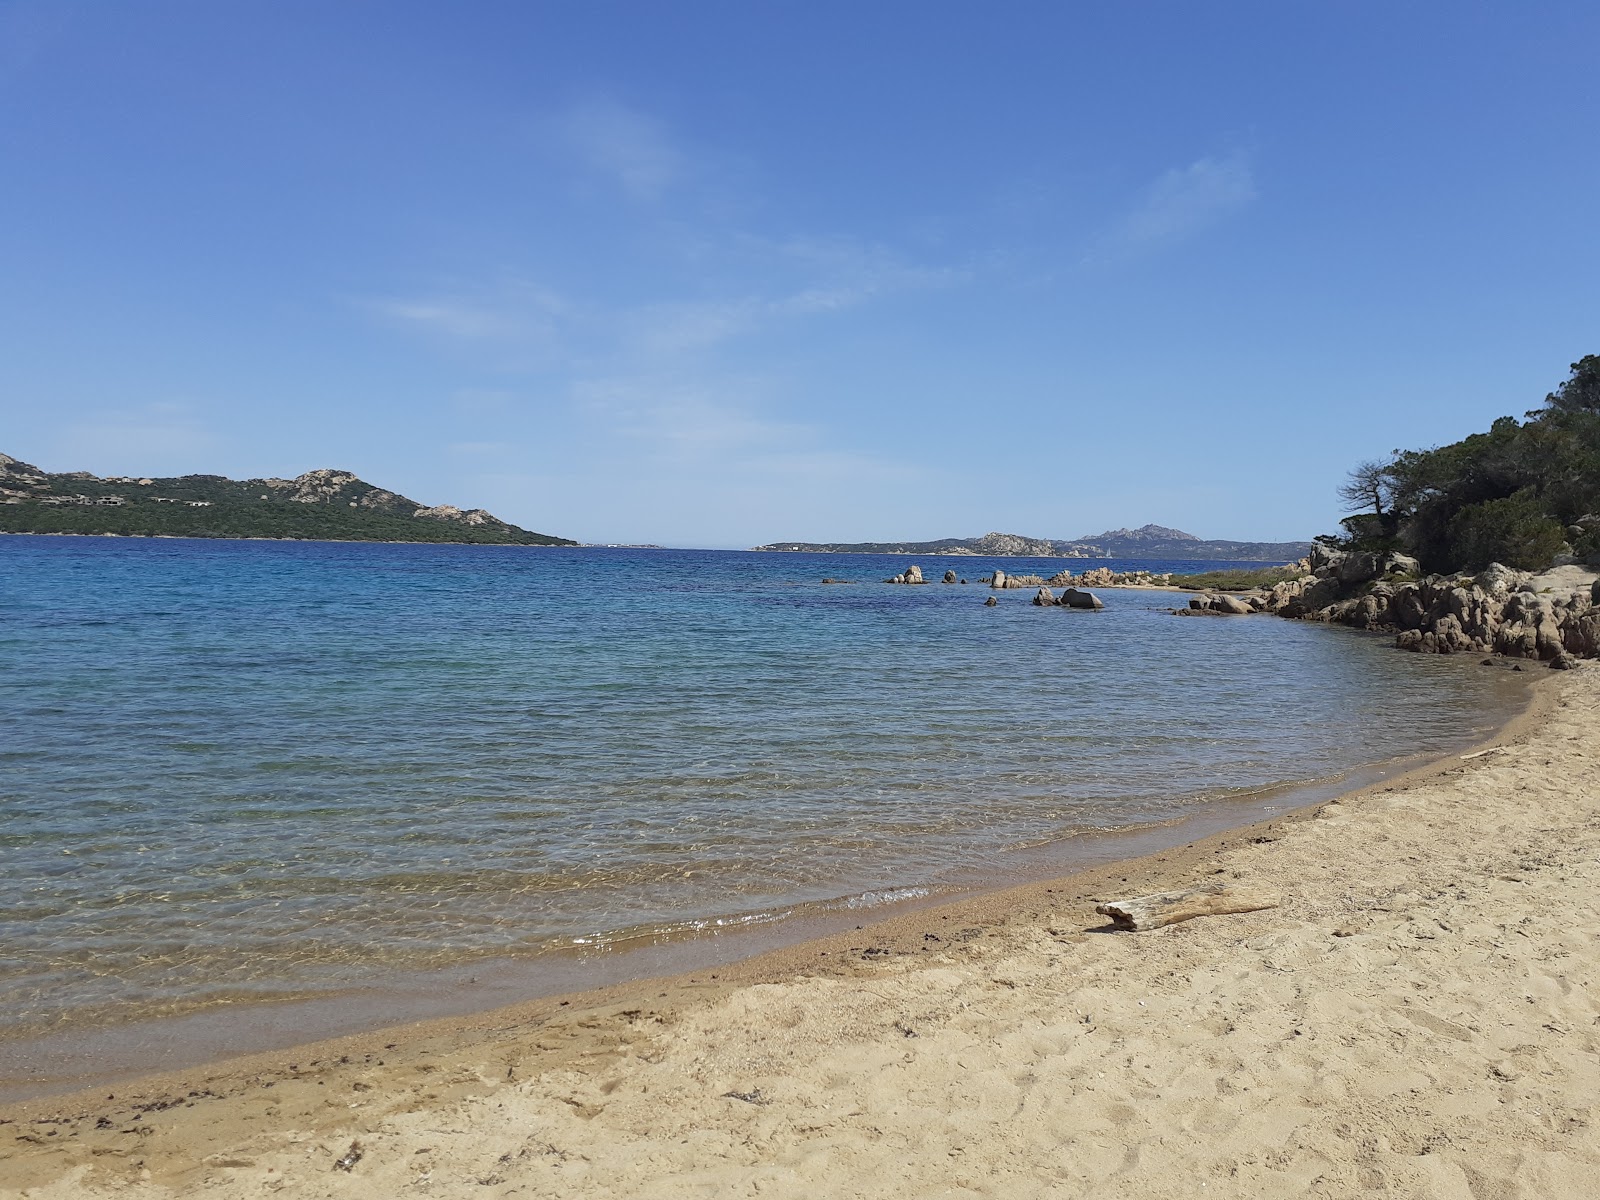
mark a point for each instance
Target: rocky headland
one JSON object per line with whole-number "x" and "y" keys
{"x": 320, "y": 505}
{"x": 1552, "y": 616}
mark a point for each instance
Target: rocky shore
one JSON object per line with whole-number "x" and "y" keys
{"x": 1553, "y": 616}
{"x": 1094, "y": 577}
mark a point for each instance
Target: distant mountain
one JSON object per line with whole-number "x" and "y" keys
{"x": 1157, "y": 541}
{"x": 1145, "y": 533}
{"x": 1148, "y": 541}
{"x": 321, "y": 505}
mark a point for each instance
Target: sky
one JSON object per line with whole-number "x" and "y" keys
{"x": 720, "y": 274}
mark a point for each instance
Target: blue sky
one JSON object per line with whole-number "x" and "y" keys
{"x": 724, "y": 273}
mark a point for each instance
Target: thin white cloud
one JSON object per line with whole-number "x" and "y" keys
{"x": 848, "y": 270}
{"x": 514, "y": 311}
{"x": 723, "y": 437}
{"x": 681, "y": 326}
{"x": 794, "y": 279}
{"x": 835, "y": 466}
{"x": 1185, "y": 200}
{"x": 824, "y": 275}
{"x": 631, "y": 147}
{"x": 684, "y": 419}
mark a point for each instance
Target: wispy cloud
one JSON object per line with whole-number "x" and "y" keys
{"x": 1183, "y": 201}
{"x": 789, "y": 280}
{"x": 513, "y": 310}
{"x": 677, "y": 327}
{"x": 727, "y": 429}
{"x": 630, "y": 147}
{"x": 687, "y": 419}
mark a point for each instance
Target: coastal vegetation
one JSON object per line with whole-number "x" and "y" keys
{"x": 321, "y": 505}
{"x": 1523, "y": 493}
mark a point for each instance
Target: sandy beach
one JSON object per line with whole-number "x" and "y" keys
{"x": 1418, "y": 1018}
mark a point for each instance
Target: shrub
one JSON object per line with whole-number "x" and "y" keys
{"x": 1514, "y": 530}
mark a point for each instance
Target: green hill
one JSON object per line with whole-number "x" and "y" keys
{"x": 321, "y": 505}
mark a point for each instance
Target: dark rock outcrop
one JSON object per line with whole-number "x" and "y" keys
{"x": 1555, "y": 618}
{"x": 1222, "y": 605}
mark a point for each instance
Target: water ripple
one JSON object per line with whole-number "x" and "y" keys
{"x": 249, "y": 769}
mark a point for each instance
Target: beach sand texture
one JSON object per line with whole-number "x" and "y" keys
{"x": 1418, "y": 1019}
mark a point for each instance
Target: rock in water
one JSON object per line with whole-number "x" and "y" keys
{"x": 1231, "y": 605}
{"x": 949, "y": 576}
{"x": 1078, "y": 598}
{"x": 1043, "y": 598}
{"x": 990, "y": 602}
{"x": 998, "y": 580}
{"x": 914, "y": 575}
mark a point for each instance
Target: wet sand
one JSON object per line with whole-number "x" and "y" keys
{"x": 1418, "y": 1018}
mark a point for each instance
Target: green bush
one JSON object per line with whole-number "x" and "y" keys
{"x": 1514, "y": 530}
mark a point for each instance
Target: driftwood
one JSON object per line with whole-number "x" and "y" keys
{"x": 1168, "y": 908}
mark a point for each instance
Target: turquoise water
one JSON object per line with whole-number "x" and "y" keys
{"x": 261, "y": 769}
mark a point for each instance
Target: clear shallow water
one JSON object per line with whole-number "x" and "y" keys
{"x": 258, "y": 769}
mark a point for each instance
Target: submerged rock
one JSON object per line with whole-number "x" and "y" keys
{"x": 990, "y": 602}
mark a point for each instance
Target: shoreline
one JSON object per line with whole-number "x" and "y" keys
{"x": 191, "y": 537}
{"x": 91, "y": 1055}
{"x": 550, "y": 1046}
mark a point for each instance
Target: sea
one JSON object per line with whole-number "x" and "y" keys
{"x": 244, "y": 774}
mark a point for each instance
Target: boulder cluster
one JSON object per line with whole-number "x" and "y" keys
{"x": 913, "y": 574}
{"x": 1094, "y": 577}
{"x": 1553, "y": 617}
{"x": 1001, "y": 580}
{"x": 1106, "y": 577}
{"x": 1071, "y": 598}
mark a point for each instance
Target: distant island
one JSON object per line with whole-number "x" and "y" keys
{"x": 321, "y": 505}
{"x": 1148, "y": 541}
